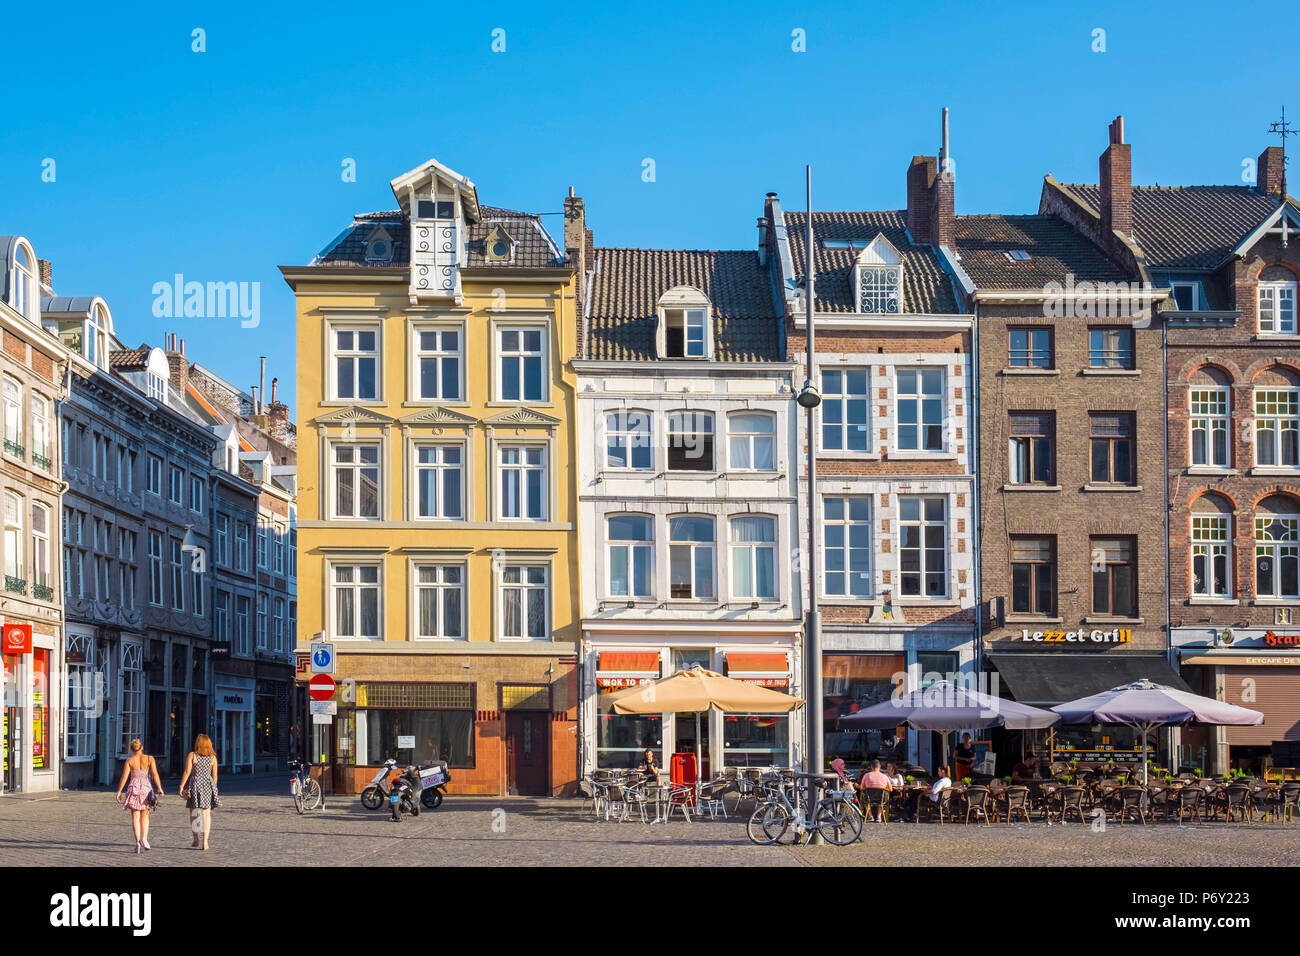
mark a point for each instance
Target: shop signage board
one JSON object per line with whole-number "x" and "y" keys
{"x": 405, "y": 742}
{"x": 321, "y": 687}
{"x": 322, "y": 719}
{"x": 322, "y": 657}
{"x": 323, "y": 707}
{"x": 1082, "y": 636}
{"x": 17, "y": 638}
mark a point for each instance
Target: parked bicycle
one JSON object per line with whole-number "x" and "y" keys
{"x": 306, "y": 792}
{"x": 836, "y": 816}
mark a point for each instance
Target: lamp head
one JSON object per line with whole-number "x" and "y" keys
{"x": 809, "y": 396}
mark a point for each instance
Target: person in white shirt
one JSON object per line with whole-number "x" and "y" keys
{"x": 941, "y": 784}
{"x": 895, "y": 778}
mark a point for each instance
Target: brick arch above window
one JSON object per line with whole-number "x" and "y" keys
{"x": 1212, "y": 501}
{"x": 1194, "y": 370}
{"x": 1273, "y": 373}
{"x": 1287, "y": 499}
{"x": 1277, "y": 271}
{"x": 1213, "y": 375}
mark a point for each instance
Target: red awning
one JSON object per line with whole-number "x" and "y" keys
{"x": 756, "y": 664}
{"x": 629, "y": 662}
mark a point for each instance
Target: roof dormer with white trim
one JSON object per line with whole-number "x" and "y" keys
{"x": 878, "y": 278}
{"x": 440, "y": 204}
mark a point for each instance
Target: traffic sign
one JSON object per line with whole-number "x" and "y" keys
{"x": 321, "y": 687}
{"x": 322, "y": 657}
{"x": 322, "y": 719}
{"x": 323, "y": 707}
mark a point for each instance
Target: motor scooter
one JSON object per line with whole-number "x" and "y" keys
{"x": 405, "y": 795}
{"x": 376, "y": 795}
{"x": 434, "y": 778}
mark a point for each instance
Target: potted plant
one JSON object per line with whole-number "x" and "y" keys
{"x": 909, "y": 779}
{"x": 1006, "y": 780}
{"x": 966, "y": 780}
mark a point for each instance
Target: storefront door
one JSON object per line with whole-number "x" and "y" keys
{"x": 12, "y": 726}
{"x": 685, "y": 740}
{"x": 526, "y": 748}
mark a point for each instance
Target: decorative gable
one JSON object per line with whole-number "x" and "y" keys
{"x": 353, "y": 415}
{"x": 520, "y": 418}
{"x": 437, "y": 417}
{"x": 379, "y": 245}
{"x": 878, "y": 278}
{"x": 499, "y": 246}
{"x": 440, "y": 203}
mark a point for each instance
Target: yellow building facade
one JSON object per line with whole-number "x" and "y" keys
{"x": 437, "y": 545}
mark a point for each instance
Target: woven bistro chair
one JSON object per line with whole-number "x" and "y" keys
{"x": 875, "y": 803}
{"x": 1072, "y": 801}
{"x": 1189, "y": 800}
{"x": 979, "y": 801}
{"x": 941, "y": 807}
{"x": 1129, "y": 802}
{"x": 1017, "y": 801}
{"x": 1290, "y": 796}
{"x": 1236, "y": 799}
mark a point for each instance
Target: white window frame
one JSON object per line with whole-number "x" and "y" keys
{"x": 356, "y": 586}
{"x": 1198, "y": 293}
{"x": 1280, "y": 297}
{"x": 178, "y": 574}
{"x": 747, "y": 442}
{"x": 522, "y": 468}
{"x": 1209, "y": 407}
{"x": 1211, "y": 539}
{"x": 922, "y": 522}
{"x": 623, "y": 431}
{"x": 504, "y": 589}
{"x": 419, "y": 354}
{"x": 153, "y": 474}
{"x": 13, "y": 416}
{"x": 1285, "y": 417}
{"x": 81, "y": 702}
{"x": 692, "y": 417}
{"x": 918, "y": 399}
{"x": 520, "y": 356}
{"x": 155, "y": 569}
{"x": 24, "y": 295}
{"x": 842, "y": 398}
{"x": 846, "y": 524}
{"x": 196, "y": 494}
{"x": 356, "y": 353}
{"x": 41, "y": 433}
{"x": 131, "y": 694}
{"x": 694, "y": 321}
{"x": 439, "y": 468}
{"x": 693, "y": 549}
{"x": 175, "y": 485}
{"x": 14, "y": 506}
{"x": 634, "y": 554}
{"x": 1277, "y": 549}
{"x": 748, "y": 590}
{"x": 439, "y": 586}
{"x": 881, "y": 287}
{"x": 356, "y": 467}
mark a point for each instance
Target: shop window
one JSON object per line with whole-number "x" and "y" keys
{"x": 622, "y": 739}
{"x": 851, "y": 682}
{"x": 439, "y": 716}
{"x": 41, "y": 757}
{"x": 755, "y": 740}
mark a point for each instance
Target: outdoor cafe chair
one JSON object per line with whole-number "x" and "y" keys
{"x": 1290, "y": 801}
{"x": 1189, "y": 800}
{"x": 1130, "y": 803}
{"x": 1017, "y": 801}
{"x": 634, "y": 799}
{"x": 711, "y": 799}
{"x": 875, "y": 802}
{"x": 979, "y": 802}
{"x": 615, "y": 801}
{"x": 1236, "y": 799}
{"x": 941, "y": 807}
{"x": 1072, "y": 801}
{"x": 589, "y": 792}
{"x": 681, "y": 798}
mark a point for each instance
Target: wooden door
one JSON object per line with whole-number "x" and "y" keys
{"x": 526, "y": 752}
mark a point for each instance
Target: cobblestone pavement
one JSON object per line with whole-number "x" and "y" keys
{"x": 259, "y": 828}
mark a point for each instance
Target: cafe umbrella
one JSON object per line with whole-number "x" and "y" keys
{"x": 945, "y": 706}
{"x": 1146, "y": 705}
{"x": 700, "y": 690}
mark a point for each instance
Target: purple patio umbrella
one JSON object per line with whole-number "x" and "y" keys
{"x": 1145, "y": 705}
{"x": 946, "y": 706}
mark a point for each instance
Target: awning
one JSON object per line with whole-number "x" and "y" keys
{"x": 616, "y": 669}
{"x": 1043, "y": 680}
{"x": 767, "y": 670}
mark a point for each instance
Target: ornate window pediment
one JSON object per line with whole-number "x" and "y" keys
{"x": 379, "y": 245}
{"x": 499, "y": 245}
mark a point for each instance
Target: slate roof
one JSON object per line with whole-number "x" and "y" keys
{"x": 627, "y": 284}
{"x": 534, "y": 247}
{"x": 927, "y": 288}
{"x": 1188, "y": 227}
{"x": 1055, "y": 249}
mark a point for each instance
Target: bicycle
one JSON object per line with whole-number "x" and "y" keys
{"x": 836, "y": 816}
{"x": 306, "y": 791}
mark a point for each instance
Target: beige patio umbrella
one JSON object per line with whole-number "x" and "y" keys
{"x": 700, "y": 690}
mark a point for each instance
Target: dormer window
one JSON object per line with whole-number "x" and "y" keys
{"x": 684, "y": 331}
{"x": 878, "y": 278}
{"x": 434, "y": 209}
{"x": 22, "y": 284}
{"x": 379, "y": 246}
{"x": 1188, "y": 296}
{"x": 499, "y": 246}
{"x": 157, "y": 387}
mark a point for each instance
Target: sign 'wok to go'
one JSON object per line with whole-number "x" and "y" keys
{"x": 1117, "y": 635}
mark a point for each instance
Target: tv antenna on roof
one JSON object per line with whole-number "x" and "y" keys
{"x": 1283, "y": 129}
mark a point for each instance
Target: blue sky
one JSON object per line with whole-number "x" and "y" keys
{"x": 225, "y": 164}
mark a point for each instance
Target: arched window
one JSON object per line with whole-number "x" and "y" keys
{"x": 690, "y": 441}
{"x": 690, "y": 564}
{"x": 753, "y": 557}
{"x": 631, "y": 555}
{"x": 1211, "y": 540}
{"x": 13, "y": 416}
{"x": 41, "y": 552}
{"x": 42, "y": 447}
{"x": 1277, "y": 418}
{"x": 13, "y": 543}
{"x": 22, "y": 285}
{"x": 628, "y": 442}
{"x": 751, "y": 440}
{"x": 1209, "y": 405}
{"x": 1277, "y": 548}
{"x": 98, "y": 330}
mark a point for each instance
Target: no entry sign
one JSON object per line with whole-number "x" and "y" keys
{"x": 321, "y": 687}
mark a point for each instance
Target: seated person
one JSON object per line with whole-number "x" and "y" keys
{"x": 647, "y": 766}
{"x": 895, "y": 778}
{"x": 873, "y": 779}
{"x": 943, "y": 782}
{"x": 1027, "y": 769}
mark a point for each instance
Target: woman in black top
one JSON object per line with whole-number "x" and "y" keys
{"x": 964, "y": 757}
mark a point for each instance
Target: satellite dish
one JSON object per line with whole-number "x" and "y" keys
{"x": 1227, "y": 637}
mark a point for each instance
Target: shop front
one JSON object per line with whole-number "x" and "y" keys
{"x": 33, "y": 686}
{"x": 234, "y": 705}
{"x": 1047, "y": 678}
{"x": 619, "y": 741}
{"x": 1257, "y": 668}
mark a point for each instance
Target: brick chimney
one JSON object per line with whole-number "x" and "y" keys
{"x": 920, "y": 188}
{"x": 1269, "y": 171}
{"x": 578, "y": 251}
{"x": 1116, "y": 184}
{"x": 47, "y": 273}
{"x": 176, "y": 361}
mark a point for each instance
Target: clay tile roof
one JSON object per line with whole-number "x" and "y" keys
{"x": 1055, "y": 249}
{"x": 1188, "y": 227}
{"x": 927, "y": 288}
{"x": 628, "y": 283}
{"x": 130, "y": 360}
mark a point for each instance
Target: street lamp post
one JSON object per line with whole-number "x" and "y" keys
{"x": 809, "y": 398}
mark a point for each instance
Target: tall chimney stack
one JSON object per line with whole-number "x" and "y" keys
{"x": 1270, "y": 173}
{"x": 578, "y": 253}
{"x": 1115, "y": 169}
{"x": 274, "y": 382}
{"x": 261, "y": 385}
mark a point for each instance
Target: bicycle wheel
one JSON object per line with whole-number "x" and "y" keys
{"x": 312, "y": 797}
{"x": 297, "y": 799}
{"x": 838, "y": 822}
{"x": 768, "y": 823}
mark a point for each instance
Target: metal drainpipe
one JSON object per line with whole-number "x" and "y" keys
{"x": 973, "y": 443}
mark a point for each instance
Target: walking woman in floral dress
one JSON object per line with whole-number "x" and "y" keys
{"x": 136, "y": 771}
{"x": 199, "y": 787}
